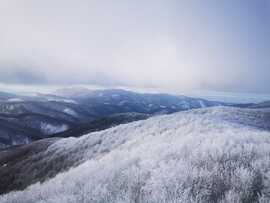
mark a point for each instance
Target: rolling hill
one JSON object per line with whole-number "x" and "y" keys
{"x": 26, "y": 118}
{"x": 218, "y": 154}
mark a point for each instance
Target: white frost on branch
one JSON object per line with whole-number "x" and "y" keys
{"x": 207, "y": 155}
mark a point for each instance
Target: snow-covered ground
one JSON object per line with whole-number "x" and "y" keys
{"x": 15, "y": 100}
{"x": 205, "y": 155}
{"x": 70, "y": 112}
{"x": 48, "y": 128}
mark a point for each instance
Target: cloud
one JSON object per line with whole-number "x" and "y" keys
{"x": 19, "y": 75}
{"x": 171, "y": 44}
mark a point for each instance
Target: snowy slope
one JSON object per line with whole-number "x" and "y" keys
{"x": 43, "y": 115}
{"x": 207, "y": 155}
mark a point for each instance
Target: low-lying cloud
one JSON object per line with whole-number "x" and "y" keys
{"x": 177, "y": 45}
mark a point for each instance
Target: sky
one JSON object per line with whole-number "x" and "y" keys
{"x": 179, "y": 45}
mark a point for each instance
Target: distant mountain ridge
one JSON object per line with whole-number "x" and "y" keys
{"x": 72, "y": 112}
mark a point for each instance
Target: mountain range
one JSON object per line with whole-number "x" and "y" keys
{"x": 72, "y": 112}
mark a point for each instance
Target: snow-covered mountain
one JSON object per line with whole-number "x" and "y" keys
{"x": 218, "y": 154}
{"x": 25, "y": 118}
{"x": 120, "y": 101}
{"x": 265, "y": 104}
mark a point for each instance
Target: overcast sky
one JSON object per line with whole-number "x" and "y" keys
{"x": 178, "y": 45}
